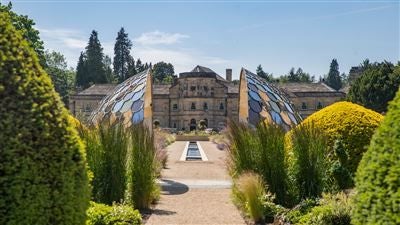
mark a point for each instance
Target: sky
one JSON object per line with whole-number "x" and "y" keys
{"x": 224, "y": 34}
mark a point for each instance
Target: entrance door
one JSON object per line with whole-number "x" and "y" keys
{"x": 192, "y": 124}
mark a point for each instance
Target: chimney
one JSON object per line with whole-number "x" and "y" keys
{"x": 229, "y": 75}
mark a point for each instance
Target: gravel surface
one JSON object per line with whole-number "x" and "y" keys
{"x": 195, "y": 192}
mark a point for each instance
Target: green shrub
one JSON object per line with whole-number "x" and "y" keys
{"x": 142, "y": 168}
{"x": 43, "y": 177}
{"x": 260, "y": 150}
{"x": 308, "y": 169}
{"x": 100, "y": 214}
{"x": 293, "y": 216}
{"x": 352, "y": 124}
{"x": 332, "y": 210}
{"x": 341, "y": 175}
{"x": 377, "y": 179}
{"x": 106, "y": 147}
{"x": 250, "y": 196}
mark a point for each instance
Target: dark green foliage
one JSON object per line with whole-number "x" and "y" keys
{"x": 376, "y": 86}
{"x": 63, "y": 78}
{"x": 342, "y": 176}
{"x": 139, "y": 66}
{"x": 99, "y": 214}
{"x": 122, "y": 56}
{"x": 377, "y": 179}
{"x": 131, "y": 67}
{"x": 43, "y": 178}
{"x": 81, "y": 71}
{"x": 261, "y": 151}
{"x": 29, "y": 33}
{"x": 309, "y": 146}
{"x": 142, "y": 167}
{"x": 107, "y": 67}
{"x": 298, "y": 76}
{"x": 334, "y": 79}
{"x": 162, "y": 72}
{"x": 293, "y": 215}
{"x": 106, "y": 147}
{"x": 260, "y": 72}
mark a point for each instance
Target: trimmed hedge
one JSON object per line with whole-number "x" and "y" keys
{"x": 100, "y": 214}
{"x": 43, "y": 177}
{"x": 350, "y": 123}
{"x": 377, "y": 178}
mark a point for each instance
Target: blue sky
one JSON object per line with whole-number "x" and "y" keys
{"x": 226, "y": 34}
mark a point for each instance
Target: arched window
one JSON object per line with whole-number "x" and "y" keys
{"x": 205, "y": 106}
{"x": 221, "y": 106}
{"x": 193, "y": 106}
{"x": 319, "y": 105}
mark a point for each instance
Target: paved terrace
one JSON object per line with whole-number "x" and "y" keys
{"x": 195, "y": 192}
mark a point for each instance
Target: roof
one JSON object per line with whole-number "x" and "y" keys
{"x": 161, "y": 89}
{"x": 98, "y": 89}
{"x": 305, "y": 87}
{"x": 202, "y": 69}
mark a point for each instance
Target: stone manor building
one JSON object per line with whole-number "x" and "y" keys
{"x": 203, "y": 96}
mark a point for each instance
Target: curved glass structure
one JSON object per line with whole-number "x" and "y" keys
{"x": 261, "y": 101}
{"x": 127, "y": 102}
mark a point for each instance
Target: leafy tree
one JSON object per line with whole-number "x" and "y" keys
{"x": 260, "y": 72}
{"x": 377, "y": 179}
{"x": 43, "y": 169}
{"x": 162, "y": 72}
{"x": 81, "y": 71}
{"x": 62, "y": 77}
{"x": 298, "y": 76}
{"x": 333, "y": 79}
{"x": 376, "y": 86}
{"x": 122, "y": 49}
{"x": 29, "y": 33}
{"x": 94, "y": 61}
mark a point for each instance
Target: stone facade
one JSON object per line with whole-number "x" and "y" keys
{"x": 308, "y": 98}
{"x": 203, "y": 95}
{"x": 199, "y": 95}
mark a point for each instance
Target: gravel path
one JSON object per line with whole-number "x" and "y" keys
{"x": 195, "y": 192}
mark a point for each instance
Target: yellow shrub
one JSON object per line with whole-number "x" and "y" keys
{"x": 351, "y": 123}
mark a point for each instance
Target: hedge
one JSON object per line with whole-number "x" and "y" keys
{"x": 377, "y": 178}
{"x": 43, "y": 178}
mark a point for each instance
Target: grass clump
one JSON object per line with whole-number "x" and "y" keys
{"x": 250, "y": 195}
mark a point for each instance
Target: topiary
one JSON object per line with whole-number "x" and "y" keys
{"x": 43, "y": 177}
{"x": 350, "y": 123}
{"x": 377, "y": 180}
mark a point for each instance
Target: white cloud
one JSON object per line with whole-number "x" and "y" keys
{"x": 64, "y": 37}
{"x": 158, "y": 37}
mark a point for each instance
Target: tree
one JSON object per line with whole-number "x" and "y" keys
{"x": 107, "y": 67}
{"x": 94, "y": 61}
{"x": 63, "y": 78}
{"x": 333, "y": 79}
{"x": 377, "y": 180}
{"x": 260, "y": 72}
{"x": 81, "y": 71}
{"x": 43, "y": 169}
{"x": 376, "y": 86}
{"x": 131, "y": 67}
{"x": 298, "y": 76}
{"x": 163, "y": 72}
{"x": 139, "y": 66}
{"x": 29, "y": 33}
{"x": 122, "y": 49}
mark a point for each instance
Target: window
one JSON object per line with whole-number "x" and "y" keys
{"x": 88, "y": 109}
{"x": 174, "y": 125}
{"x": 193, "y": 106}
{"x": 205, "y": 106}
{"x": 205, "y": 88}
{"x": 192, "y": 88}
{"x": 175, "y": 106}
{"x": 303, "y": 105}
{"x": 221, "y": 106}
{"x": 319, "y": 106}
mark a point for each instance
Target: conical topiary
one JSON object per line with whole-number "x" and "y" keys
{"x": 378, "y": 176}
{"x": 43, "y": 178}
